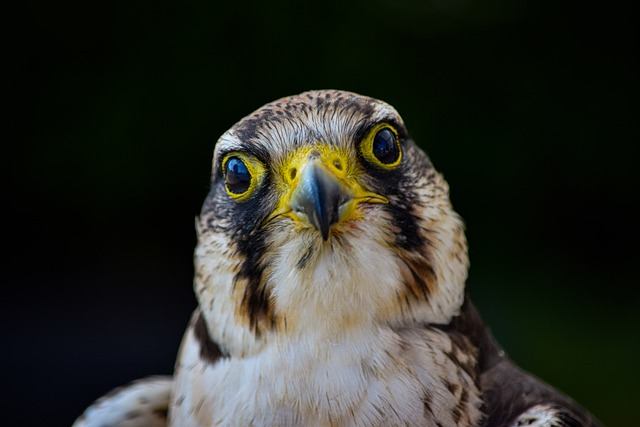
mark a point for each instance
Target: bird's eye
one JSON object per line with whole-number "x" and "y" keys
{"x": 385, "y": 147}
{"x": 238, "y": 177}
{"x": 381, "y": 147}
{"x": 241, "y": 173}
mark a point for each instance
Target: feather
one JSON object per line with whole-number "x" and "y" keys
{"x": 511, "y": 396}
{"x": 143, "y": 403}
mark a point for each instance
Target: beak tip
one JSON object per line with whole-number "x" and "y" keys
{"x": 322, "y": 224}
{"x": 319, "y": 196}
{"x": 325, "y": 234}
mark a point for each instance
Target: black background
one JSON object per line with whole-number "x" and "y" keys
{"x": 529, "y": 108}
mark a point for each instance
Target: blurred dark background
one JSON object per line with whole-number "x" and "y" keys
{"x": 529, "y": 108}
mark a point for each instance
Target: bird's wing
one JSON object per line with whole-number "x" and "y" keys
{"x": 514, "y": 397}
{"x": 144, "y": 402}
{"x": 511, "y": 396}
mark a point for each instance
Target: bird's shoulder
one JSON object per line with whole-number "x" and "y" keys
{"x": 512, "y": 396}
{"x": 142, "y": 403}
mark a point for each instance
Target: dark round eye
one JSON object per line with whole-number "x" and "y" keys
{"x": 385, "y": 147}
{"x": 237, "y": 176}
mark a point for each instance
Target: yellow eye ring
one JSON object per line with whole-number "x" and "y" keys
{"x": 381, "y": 147}
{"x": 242, "y": 174}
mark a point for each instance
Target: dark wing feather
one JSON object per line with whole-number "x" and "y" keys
{"x": 511, "y": 396}
{"x": 514, "y": 397}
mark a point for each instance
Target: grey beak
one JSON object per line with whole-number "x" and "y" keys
{"x": 319, "y": 196}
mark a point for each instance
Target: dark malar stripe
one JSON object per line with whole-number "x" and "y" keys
{"x": 256, "y": 300}
{"x": 209, "y": 350}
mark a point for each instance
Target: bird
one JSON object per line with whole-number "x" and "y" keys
{"x": 330, "y": 274}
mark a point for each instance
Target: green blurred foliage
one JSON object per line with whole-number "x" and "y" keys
{"x": 529, "y": 108}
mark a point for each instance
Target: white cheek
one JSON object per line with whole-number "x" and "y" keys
{"x": 215, "y": 268}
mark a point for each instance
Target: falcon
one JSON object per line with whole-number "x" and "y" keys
{"x": 330, "y": 277}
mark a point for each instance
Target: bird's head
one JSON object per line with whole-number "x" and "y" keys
{"x": 324, "y": 217}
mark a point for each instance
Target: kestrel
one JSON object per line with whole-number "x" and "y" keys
{"x": 330, "y": 278}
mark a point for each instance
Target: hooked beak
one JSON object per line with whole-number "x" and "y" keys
{"x": 322, "y": 195}
{"x": 319, "y": 196}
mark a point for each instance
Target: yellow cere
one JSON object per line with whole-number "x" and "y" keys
{"x": 255, "y": 168}
{"x": 366, "y": 147}
{"x": 336, "y": 161}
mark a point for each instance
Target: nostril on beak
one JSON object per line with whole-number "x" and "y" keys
{"x": 319, "y": 196}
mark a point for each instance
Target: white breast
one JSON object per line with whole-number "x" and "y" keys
{"x": 380, "y": 377}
